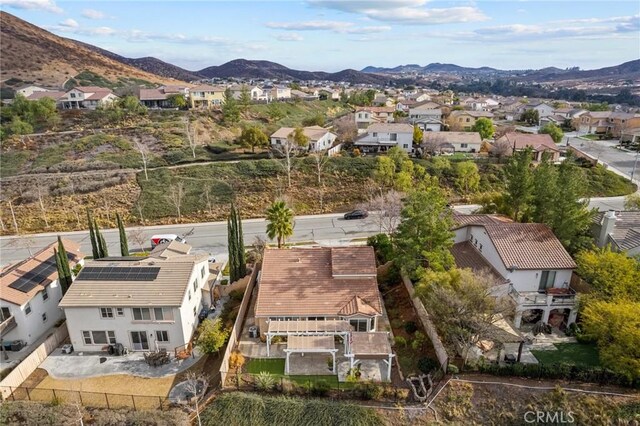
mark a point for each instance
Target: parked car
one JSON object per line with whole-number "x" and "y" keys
{"x": 356, "y": 214}
{"x": 164, "y": 238}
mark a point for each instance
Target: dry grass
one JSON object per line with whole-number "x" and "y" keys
{"x": 117, "y": 384}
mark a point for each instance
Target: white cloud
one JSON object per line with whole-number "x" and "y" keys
{"x": 70, "y": 23}
{"x": 45, "y": 5}
{"x": 341, "y": 27}
{"x": 93, "y": 14}
{"x": 409, "y": 12}
{"x": 290, "y": 37}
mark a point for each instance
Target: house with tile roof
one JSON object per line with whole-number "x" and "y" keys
{"x": 30, "y": 292}
{"x": 86, "y": 97}
{"x": 160, "y": 97}
{"x": 205, "y": 96}
{"x": 320, "y": 139}
{"x": 528, "y": 262}
{"x": 365, "y": 116}
{"x": 380, "y": 137}
{"x": 465, "y": 120}
{"x": 452, "y": 142}
{"x": 539, "y": 143}
{"x": 609, "y": 123}
{"x": 144, "y": 303}
{"x": 312, "y": 296}
{"x": 620, "y": 230}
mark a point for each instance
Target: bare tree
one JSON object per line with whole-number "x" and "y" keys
{"x": 431, "y": 144}
{"x": 196, "y": 385}
{"x": 39, "y": 189}
{"x": 503, "y": 130}
{"x": 138, "y": 236}
{"x": 345, "y": 128}
{"x": 192, "y": 135}
{"x": 207, "y": 200}
{"x": 320, "y": 159}
{"x": 176, "y": 196}
{"x": 287, "y": 150}
{"x": 143, "y": 153}
{"x": 13, "y": 218}
{"x": 388, "y": 207}
{"x": 501, "y": 148}
{"x": 2, "y": 225}
{"x": 140, "y": 208}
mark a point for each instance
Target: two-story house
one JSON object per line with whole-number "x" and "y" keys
{"x": 606, "y": 122}
{"x": 620, "y": 230}
{"x": 280, "y": 93}
{"x": 365, "y": 116}
{"x": 320, "y": 139}
{"x": 527, "y": 262}
{"x": 382, "y": 136}
{"x": 428, "y": 117}
{"x": 465, "y": 120}
{"x": 86, "y": 97}
{"x": 146, "y": 303}
{"x": 30, "y": 292}
{"x": 205, "y": 96}
{"x": 160, "y": 97}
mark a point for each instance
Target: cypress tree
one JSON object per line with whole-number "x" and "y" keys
{"x": 242, "y": 259}
{"x": 92, "y": 235}
{"x": 231, "y": 232}
{"x": 124, "y": 244}
{"x": 62, "y": 265}
{"x": 102, "y": 245}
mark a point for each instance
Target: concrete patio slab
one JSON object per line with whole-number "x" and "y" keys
{"x": 371, "y": 370}
{"x": 71, "y": 366}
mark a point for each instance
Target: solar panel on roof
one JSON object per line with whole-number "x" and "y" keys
{"x": 126, "y": 273}
{"x": 37, "y": 275}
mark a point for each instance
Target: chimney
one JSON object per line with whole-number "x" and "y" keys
{"x": 606, "y": 227}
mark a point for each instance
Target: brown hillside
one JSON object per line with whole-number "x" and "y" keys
{"x": 32, "y": 54}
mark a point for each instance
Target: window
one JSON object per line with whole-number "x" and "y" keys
{"x": 393, "y": 136}
{"x": 547, "y": 279}
{"x": 162, "y": 336}
{"x": 99, "y": 337}
{"x": 120, "y": 312}
{"x": 480, "y": 248}
{"x": 73, "y": 95}
{"x": 375, "y": 134}
{"x": 202, "y": 272}
{"x": 316, "y": 318}
{"x": 27, "y": 308}
{"x": 44, "y": 317}
{"x": 195, "y": 311}
{"x": 405, "y": 146}
{"x": 468, "y": 120}
{"x": 5, "y": 313}
{"x": 106, "y": 313}
{"x": 464, "y": 145}
{"x": 141, "y": 314}
{"x": 189, "y": 294}
{"x": 195, "y": 285}
{"x": 359, "y": 324}
{"x": 163, "y": 314}
{"x": 45, "y": 294}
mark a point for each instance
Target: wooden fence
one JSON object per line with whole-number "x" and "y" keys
{"x": 429, "y": 328}
{"x": 33, "y": 361}
{"x": 236, "y": 332}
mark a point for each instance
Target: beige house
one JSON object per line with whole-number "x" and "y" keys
{"x": 206, "y": 96}
{"x": 464, "y": 120}
{"x": 606, "y": 122}
{"x": 539, "y": 143}
{"x": 451, "y": 142}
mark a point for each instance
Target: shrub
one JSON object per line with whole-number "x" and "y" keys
{"x": 418, "y": 342}
{"x": 452, "y": 369}
{"x": 370, "y": 391}
{"x": 382, "y": 246}
{"x": 236, "y": 360}
{"x": 427, "y": 365}
{"x": 236, "y": 295}
{"x": 265, "y": 380}
{"x": 401, "y": 341}
{"x": 320, "y": 388}
{"x": 410, "y": 327}
{"x": 396, "y": 323}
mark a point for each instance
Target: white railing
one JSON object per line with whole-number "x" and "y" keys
{"x": 542, "y": 298}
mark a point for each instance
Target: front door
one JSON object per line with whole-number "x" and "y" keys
{"x": 139, "y": 341}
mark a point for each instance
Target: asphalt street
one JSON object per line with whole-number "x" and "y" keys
{"x": 612, "y": 158}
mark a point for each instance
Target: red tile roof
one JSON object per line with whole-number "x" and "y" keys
{"x": 541, "y": 142}
{"x": 300, "y": 282}
{"x": 466, "y": 256}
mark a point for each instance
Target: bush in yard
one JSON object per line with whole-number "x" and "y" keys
{"x": 418, "y": 342}
{"x": 396, "y": 323}
{"x": 320, "y": 388}
{"x": 453, "y": 369}
{"x": 265, "y": 381}
{"x": 236, "y": 295}
{"x": 427, "y": 365}
{"x": 369, "y": 391}
{"x": 236, "y": 360}
{"x": 382, "y": 246}
{"x": 211, "y": 336}
{"x": 410, "y": 327}
{"x": 401, "y": 341}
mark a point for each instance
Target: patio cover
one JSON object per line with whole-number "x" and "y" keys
{"x": 302, "y": 344}
{"x": 370, "y": 345}
{"x": 309, "y": 327}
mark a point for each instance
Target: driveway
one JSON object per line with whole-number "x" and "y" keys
{"x": 73, "y": 366}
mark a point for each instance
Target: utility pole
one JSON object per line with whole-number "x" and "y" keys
{"x": 635, "y": 163}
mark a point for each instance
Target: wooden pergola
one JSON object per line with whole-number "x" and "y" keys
{"x": 310, "y": 344}
{"x": 372, "y": 345}
{"x": 309, "y": 328}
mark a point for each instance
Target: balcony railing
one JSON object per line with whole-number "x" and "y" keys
{"x": 7, "y": 325}
{"x": 549, "y": 297}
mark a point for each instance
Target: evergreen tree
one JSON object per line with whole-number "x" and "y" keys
{"x": 102, "y": 244}
{"x": 92, "y": 235}
{"x": 519, "y": 182}
{"x": 237, "y": 259}
{"x": 245, "y": 98}
{"x": 242, "y": 256}
{"x": 124, "y": 244}
{"x": 545, "y": 187}
{"x": 230, "y": 110}
{"x": 233, "y": 261}
{"x": 62, "y": 265}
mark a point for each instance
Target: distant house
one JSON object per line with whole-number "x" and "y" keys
{"x": 452, "y": 142}
{"x": 527, "y": 262}
{"x": 606, "y": 122}
{"x": 160, "y": 97}
{"x": 145, "y": 303}
{"x": 30, "y": 292}
{"x": 320, "y": 139}
{"x": 365, "y": 116}
{"x": 465, "y": 120}
{"x": 260, "y": 95}
{"x": 299, "y": 94}
{"x": 620, "y": 230}
{"x": 538, "y": 143}
{"x": 428, "y": 117}
{"x": 205, "y": 96}
{"x": 480, "y": 104}
{"x": 86, "y": 97}
{"x": 379, "y": 137}
{"x": 30, "y": 89}
{"x": 280, "y": 93}
{"x": 51, "y": 94}
{"x": 543, "y": 109}
{"x": 569, "y": 113}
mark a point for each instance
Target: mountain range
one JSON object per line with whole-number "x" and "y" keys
{"x": 32, "y": 54}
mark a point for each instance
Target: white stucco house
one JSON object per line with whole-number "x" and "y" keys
{"x": 147, "y": 303}
{"x": 365, "y": 116}
{"x": 30, "y": 292}
{"x": 86, "y": 97}
{"x": 30, "y": 89}
{"x": 427, "y": 117}
{"x": 528, "y": 263}
{"x": 382, "y": 136}
{"x": 320, "y": 139}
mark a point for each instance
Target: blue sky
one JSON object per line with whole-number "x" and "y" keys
{"x": 331, "y": 35}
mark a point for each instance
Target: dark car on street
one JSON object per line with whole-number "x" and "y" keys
{"x": 356, "y": 214}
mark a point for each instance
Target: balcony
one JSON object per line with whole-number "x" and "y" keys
{"x": 7, "y": 325}
{"x": 556, "y": 297}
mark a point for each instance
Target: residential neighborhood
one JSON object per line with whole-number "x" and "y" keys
{"x": 282, "y": 215}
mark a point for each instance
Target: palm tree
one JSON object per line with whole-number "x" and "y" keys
{"x": 279, "y": 222}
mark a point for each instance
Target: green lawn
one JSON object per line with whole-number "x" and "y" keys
{"x": 276, "y": 367}
{"x": 570, "y": 353}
